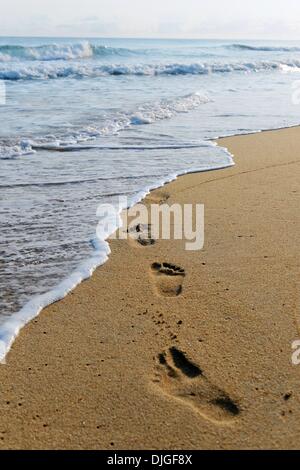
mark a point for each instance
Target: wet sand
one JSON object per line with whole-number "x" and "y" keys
{"x": 194, "y": 353}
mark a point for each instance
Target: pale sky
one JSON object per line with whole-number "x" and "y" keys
{"x": 253, "y": 19}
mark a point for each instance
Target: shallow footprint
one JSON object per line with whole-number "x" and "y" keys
{"x": 141, "y": 234}
{"x": 144, "y": 235}
{"x": 180, "y": 378}
{"x": 169, "y": 278}
{"x": 158, "y": 197}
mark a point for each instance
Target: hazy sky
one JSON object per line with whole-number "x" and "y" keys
{"x": 152, "y": 18}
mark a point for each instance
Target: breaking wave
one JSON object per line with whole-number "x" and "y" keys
{"x": 143, "y": 115}
{"x": 49, "y": 52}
{"x": 57, "y": 70}
{"x": 14, "y": 150}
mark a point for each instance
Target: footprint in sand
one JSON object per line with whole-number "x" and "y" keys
{"x": 169, "y": 278}
{"x": 142, "y": 234}
{"x": 183, "y": 380}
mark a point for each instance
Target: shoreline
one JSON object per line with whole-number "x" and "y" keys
{"x": 86, "y": 372}
{"x": 10, "y": 330}
{"x": 105, "y": 251}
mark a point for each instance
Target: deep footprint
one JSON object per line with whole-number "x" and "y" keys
{"x": 169, "y": 278}
{"x": 184, "y": 380}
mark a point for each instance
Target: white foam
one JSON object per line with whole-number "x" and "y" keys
{"x": 11, "y": 328}
{"x": 146, "y": 114}
{"x": 47, "y": 52}
{"x": 8, "y": 152}
{"x": 46, "y": 71}
{"x": 88, "y": 50}
{"x": 50, "y": 52}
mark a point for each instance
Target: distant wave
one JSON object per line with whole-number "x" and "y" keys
{"x": 56, "y": 70}
{"x": 78, "y": 140}
{"x": 48, "y": 52}
{"x": 247, "y": 47}
{"x": 88, "y": 50}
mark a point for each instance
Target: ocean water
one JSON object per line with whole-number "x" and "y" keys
{"x": 88, "y": 120}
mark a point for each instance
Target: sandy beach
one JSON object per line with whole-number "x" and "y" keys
{"x": 137, "y": 359}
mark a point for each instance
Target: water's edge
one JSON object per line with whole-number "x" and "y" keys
{"x": 12, "y": 327}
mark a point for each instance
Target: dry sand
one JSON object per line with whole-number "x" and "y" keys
{"x": 137, "y": 359}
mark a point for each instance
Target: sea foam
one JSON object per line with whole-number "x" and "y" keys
{"x": 144, "y": 115}
{"x": 49, "y": 52}
{"x": 57, "y": 70}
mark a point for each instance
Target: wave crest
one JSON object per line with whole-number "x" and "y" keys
{"x": 247, "y": 47}
{"x": 57, "y": 70}
{"x": 48, "y": 52}
{"x": 146, "y": 114}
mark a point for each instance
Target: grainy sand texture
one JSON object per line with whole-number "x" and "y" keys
{"x": 165, "y": 348}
